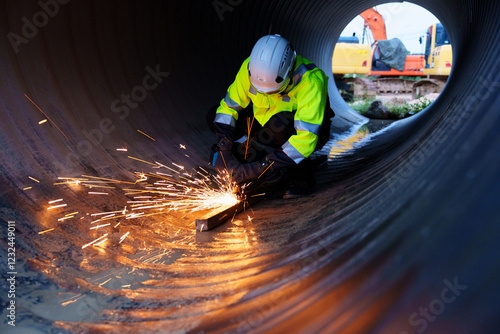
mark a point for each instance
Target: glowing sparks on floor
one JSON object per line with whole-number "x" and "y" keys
{"x": 153, "y": 192}
{"x": 96, "y": 240}
{"x": 193, "y": 192}
{"x": 45, "y": 231}
{"x": 146, "y": 135}
{"x": 45, "y": 115}
{"x": 101, "y": 284}
{"x": 123, "y": 237}
{"x": 55, "y": 201}
{"x": 141, "y": 160}
{"x": 33, "y": 179}
{"x": 99, "y": 226}
{"x": 56, "y": 206}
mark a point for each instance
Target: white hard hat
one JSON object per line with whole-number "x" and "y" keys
{"x": 271, "y": 64}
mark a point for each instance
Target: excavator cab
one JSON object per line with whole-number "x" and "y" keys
{"x": 438, "y": 61}
{"x": 436, "y": 36}
{"x": 438, "y": 51}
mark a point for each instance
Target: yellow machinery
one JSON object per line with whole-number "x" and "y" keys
{"x": 355, "y": 59}
{"x": 438, "y": 62}
{"x": 351, "y": 58}
{"x": 442, "y": 61}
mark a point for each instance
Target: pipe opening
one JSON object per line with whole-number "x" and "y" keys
{"x": 392, "y": 61}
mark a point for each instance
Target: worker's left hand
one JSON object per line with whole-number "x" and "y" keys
{"x": 249, "y": 171}
{"x": 225, "y": 160}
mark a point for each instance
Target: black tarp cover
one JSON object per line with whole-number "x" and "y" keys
{"x": 393, "y": 53}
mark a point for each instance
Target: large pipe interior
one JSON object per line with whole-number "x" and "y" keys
{"x": 393, "y": 224}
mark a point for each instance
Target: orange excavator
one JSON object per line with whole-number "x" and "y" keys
{"x": 351, "y": 58}
{"x": 389, "y": 81}
{"x": 375, "y": 22}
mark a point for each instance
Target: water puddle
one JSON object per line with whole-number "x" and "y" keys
{"x": 357, "y": 136}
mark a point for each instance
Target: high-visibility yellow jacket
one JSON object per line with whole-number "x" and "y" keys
{"x": 307, "y": 96}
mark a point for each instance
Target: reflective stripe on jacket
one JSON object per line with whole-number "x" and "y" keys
{"x": 307, "y": 96}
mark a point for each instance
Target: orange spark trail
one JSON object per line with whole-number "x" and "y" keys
{"x": 46, "y": 116}
{"x": 146, "y": 135}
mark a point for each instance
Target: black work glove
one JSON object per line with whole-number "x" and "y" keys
{"x": 222, "y": 158}
{"x": 249, "y": 171}
{"x": 225, "y": 160}
{"x": 270, "y": 181}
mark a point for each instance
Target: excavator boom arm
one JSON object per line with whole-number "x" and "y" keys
{"x": 375, "y": 22}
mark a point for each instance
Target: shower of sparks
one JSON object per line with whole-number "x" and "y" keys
{"x": 96, "y": 240}
{"x": 249, "y": 129}
{"x": 122, "y": 149}
{"x": 105, "y": 179}
{"x": 265, "y": 170}
{"x": 50, "y": 229}
{"x": 146, "y": 135}
{"x": 123, "y": 237}
{"x": 55, "y": 201}
{"x": 96, "y": 186}
{"x": 178, "y": 166}
{"x": 71, "y": 181}
{"x": 56, "y": 206}
{"x": 27, "y": 188}
{"x": 42, "y": 121}
{"x": 100, "y": 242}
{"x": 152, "y": 193}
{"x": 190, "y": 192}
{"x": 73, "y": 300}
{"x": 104, "y": 213}
{"x": 141, "y": 160}
{"x": 99, "y": 226}
{"x": 33, "y": 179}
{"x": 101, "y": 284}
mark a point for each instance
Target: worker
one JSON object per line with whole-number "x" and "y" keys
{"x": 274, "y": 116}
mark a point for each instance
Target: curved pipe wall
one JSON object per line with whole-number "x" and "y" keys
{"x": 402, "y": 237}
